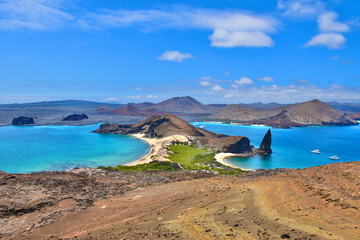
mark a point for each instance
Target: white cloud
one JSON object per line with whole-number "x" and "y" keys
{"x": 111, "y": 99}
{"x": 205, "y": 83}
{"x": 331, "y": 40}
{"x": 227, "y": 73}
{"x": 33, "y": 14}
{"x": 223, "y": 38}
{"x": 244, "y": 81}
{"x": 327, "y": 23}
{"x": 234, "y": 85}
{"x": 266, "y": 79}
{"x": 217, "y": 88}
{"x": 206, "y": 78}
{"x": 300, "y": 8}
{"x": 329, "y": 28}
{"x": 150, "y": 96}
{"x": 174, "y": 56}
{"x": 241, "y": 27}
{"x": 282, "y": 94}
{"x": 137, "y": 88}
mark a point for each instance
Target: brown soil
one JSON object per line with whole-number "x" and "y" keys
{"x": 314, "y": 203}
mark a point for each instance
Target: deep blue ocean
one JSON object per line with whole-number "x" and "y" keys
{"x": 58, "y": 148}
{"x": 292, "y": 147}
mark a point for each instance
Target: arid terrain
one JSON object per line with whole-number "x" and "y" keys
{"x": 315, "y": 203}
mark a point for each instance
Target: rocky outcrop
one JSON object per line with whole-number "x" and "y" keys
{"x": 265, "y": 147}
{"x": 227, "y": 144}
{"x": 20, "y": 121}
{"x": 76, "y": 117}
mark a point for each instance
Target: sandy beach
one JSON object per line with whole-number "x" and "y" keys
{"x": 220, "y": 157}
{"x": 157, "y": 148}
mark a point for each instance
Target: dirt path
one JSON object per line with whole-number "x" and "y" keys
{"x": 315, "y": 203}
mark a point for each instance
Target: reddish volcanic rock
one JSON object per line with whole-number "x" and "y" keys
{"x": 355, "y": 116}
{"x": 128, "y": 110}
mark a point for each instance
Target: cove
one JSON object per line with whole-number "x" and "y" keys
{"x": 58, "y": 148}
{"x": 292, "y": 147}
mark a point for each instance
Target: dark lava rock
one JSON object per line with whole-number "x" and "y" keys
{"x": 228, "y": 144}
{"x": 76, "y": 117}
{"x": 19, "y": 121}
{"x": 265, "y": 147}
{"x": 285, "y": 236}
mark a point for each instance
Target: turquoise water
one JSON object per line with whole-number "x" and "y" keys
{"x": 292, "y": 147}
{"x": 58, "y": 148}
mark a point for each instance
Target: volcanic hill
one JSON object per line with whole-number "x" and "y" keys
{"x": 313, "y": 112}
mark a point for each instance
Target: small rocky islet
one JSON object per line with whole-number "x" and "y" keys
{"x": 158, "y": 126}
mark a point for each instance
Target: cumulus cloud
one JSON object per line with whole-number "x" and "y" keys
{"x": 205, "y": 83}
{"x": 331, "y": 40}
{"x": 230, "y": 28}
{"x": 327, "y": 23}
{"x": 301, "y": 8}
{"x": 33, "y": 14}
{"x": 244, "y": 81}
{"x": 174, "y": 56}
{"x": 223, "y": 38}
{"x": 266, "y": 79}
{"x": 330, "y": 32}
{"x": 217, "y": 88}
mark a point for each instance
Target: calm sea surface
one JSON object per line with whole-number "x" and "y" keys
{"x": 50, "y": 148}
{"x": 292, "y": 147}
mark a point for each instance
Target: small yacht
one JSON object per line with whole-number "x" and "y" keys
{"x": 335, "y": 157}
{"x": 196, "y": 124}
{"x": 202, "y": 127}
{"x": 317, "y": 151}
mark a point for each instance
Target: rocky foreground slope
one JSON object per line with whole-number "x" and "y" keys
{"x": 157, "y": 126}
{"x": 314, "y": 203}
{"x": 312, "y": 112}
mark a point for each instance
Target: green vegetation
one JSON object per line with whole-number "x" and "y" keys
{"x": 155, "y": 165}
{"x": 183, "y": 156}
{"x": 192, "y": 158}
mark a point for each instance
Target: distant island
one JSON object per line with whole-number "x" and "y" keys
{"x": 314, "y": 112}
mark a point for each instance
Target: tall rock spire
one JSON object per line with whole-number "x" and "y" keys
{"x": 265, "y": 147}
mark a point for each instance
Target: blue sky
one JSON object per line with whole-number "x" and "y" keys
{"x": 216, "y": 51}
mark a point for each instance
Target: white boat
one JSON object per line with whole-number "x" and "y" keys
{"x": 335, "y": 157}
{"x": 202, "y": 127}
{"x": 196, "y": 124}
{"x": 317, "y": 151}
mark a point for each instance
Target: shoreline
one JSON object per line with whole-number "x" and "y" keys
{"x": 221, "y": 157}
{"x": 157, "y": 146}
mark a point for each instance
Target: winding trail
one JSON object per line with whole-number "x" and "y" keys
{"x": 315, "y": 203}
